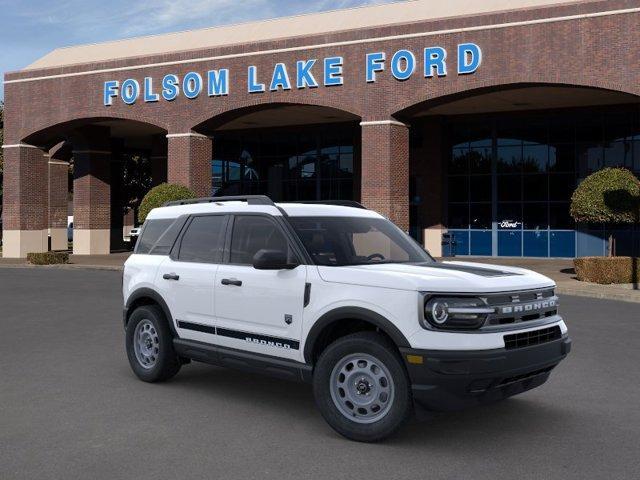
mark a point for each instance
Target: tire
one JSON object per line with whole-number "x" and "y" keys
{"x": 153, "y": 358}
{"x": 365, "y": 370}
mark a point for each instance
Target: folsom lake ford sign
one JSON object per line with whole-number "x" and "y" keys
{"x": 310, "y": 73}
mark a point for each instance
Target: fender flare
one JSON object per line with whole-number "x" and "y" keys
{"x": 157, "y": 298}
{"x": 357, "y": 313}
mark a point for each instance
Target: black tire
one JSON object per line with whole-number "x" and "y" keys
{"x": 399, "y": 409}
{"x": 166, "y": 363}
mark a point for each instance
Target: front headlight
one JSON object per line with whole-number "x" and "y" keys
{"x": 455, "y": 312}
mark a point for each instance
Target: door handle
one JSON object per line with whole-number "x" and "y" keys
{"x": 231, "y": 281}
{"x": 171, "y": 276}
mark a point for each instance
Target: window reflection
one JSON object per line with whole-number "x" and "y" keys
{"x": 298, "y": 164}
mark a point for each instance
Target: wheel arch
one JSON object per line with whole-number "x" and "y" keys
{"x": 328, "y": 321}
{"x": 147, "y": 296}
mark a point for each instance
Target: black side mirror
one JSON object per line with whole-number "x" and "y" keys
{"x": 272, "y": 260}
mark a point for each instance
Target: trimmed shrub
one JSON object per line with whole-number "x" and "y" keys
{"x": 607, "y": 270}
{"x": 610, "y": 195}
{"x": 48, "y": 258}
{"x": 159, "y": 195}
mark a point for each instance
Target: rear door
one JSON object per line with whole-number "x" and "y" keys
{"x": 259, "y": 310}
{"x": 187, "y": 277}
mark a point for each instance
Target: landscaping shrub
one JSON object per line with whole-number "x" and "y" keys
{"x": 607, "y": 270}
{"x": 159, "y": 195}
{"x": 610, "y": 195}
{"x": 48, "y": 258}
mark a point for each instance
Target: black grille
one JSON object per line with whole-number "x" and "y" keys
{"x": 534, "y": 337}
{"x": 519, "y": 307}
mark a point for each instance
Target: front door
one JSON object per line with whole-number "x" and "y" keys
{"x": 188, "y": 277}
{"x": 259, "y": 310}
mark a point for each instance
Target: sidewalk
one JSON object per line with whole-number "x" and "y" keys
{"x": 559, "y": 270}
{"x": 97, "y": 262}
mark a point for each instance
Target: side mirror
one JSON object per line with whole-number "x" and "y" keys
{"x": 272, "y": 260}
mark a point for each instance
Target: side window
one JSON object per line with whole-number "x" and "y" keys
{"x": 203, "y": 241}
{"x": 252, "y": 233}
{"x": 151, "y": 232}
{"x": 168, "y": 238}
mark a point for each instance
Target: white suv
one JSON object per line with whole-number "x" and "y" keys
{"x": 337, "y": 296}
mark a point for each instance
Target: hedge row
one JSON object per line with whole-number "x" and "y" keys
{"x": 607, "y": 270}
{"x": 48, "y": 258}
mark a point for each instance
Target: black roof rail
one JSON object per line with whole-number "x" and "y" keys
{"x": 341, "y": 203}
{"x": 250, "y": 199}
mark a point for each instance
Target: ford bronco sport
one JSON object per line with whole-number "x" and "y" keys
{"x": 338, "y": 296}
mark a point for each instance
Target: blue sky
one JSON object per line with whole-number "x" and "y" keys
{"x": 30, "y": 29}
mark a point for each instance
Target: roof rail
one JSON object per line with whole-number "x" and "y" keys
{"x": 341, "y": 203}
{"x": 250, "y": 199}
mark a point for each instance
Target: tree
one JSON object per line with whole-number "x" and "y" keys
{"x": 608, "y": 196}
{"x": 136, "y": 181}
{"x": 157, "y": 196}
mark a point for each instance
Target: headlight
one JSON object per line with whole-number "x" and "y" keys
{"x": 455, "y": 313}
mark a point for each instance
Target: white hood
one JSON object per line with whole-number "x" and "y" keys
{"x": 446, "y": 277}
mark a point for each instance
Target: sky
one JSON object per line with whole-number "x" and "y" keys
{"x": 31, "y": 28}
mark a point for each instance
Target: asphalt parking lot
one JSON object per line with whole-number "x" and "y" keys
{"x": 70, "y": 407}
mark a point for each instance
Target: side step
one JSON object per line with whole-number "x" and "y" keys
{"x": 241, "y": 360}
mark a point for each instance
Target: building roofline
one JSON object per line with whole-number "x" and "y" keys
{"x": 309, "y": 24}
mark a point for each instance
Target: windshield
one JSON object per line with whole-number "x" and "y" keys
{"x": 340, "y": 241}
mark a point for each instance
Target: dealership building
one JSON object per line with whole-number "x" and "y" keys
{"x": 476, "y": 119}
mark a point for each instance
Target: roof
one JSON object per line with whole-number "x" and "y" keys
{"x": 292, "y": 209}
{"x": 287, "y": 27}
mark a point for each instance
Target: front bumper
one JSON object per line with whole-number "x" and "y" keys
{"x": 451, "y": 380}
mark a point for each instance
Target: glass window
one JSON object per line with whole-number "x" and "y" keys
{"x": 535, "y": 216}
{"x": 458, "y": 215}
{"x": 480, "y": 216}
{"x": 510, "y": 159}
{"x": 480, "y": 186}
{"x": 480, "y": 160}
{"x": 559, "y": 217}
{"x": 534, "y": 158}
{"x": 339, "y": 241}
{"x": 459, "y": 161}
{"x": 509, "y": 188}
{"x": 151, "y": 232}
{"x": 561, "y": 186}
{"x": 167, "y": 239}
{"x": 458, "y": 189}
{"x": 252, "y": 233}
{"x": 203, "y": 240}
{"x": 509, "y": 216}
{"x": 535, "y": 187}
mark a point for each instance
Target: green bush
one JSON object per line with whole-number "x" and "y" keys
{"x": 158, "y": 196}
{"x": 610, "y": 195}
{"x": 48, "y": 258}
{"x": 607, "y": 270}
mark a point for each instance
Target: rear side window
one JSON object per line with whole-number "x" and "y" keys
{"x": 203, "y": 241}
{"x": 151, "y": 232}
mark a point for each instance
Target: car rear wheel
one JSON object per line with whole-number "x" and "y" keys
{"x": 361, "y": 387}
{"x": 149, "y": 345}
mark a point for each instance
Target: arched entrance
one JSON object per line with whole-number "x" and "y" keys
{"x": 496, "y": 167}
{"x": 113, "y": 162}
{"x": 287, "y": 151}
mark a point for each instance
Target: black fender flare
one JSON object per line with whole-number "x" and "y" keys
{"x": 357, "y": 313}
{"x": 157, "y": 298}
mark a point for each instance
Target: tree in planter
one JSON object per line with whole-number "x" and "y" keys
{"x": 608, "y": 196}
{"x": 157, "y": 196}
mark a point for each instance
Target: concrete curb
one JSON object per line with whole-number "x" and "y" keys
{"x": 66, "y": 266}
{"x": 632, "y": 297}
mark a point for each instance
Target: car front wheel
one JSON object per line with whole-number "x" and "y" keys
{"x": 361, "y": 387}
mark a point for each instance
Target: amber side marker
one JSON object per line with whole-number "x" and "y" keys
{"x": 415, "y": 359}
